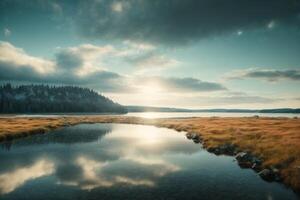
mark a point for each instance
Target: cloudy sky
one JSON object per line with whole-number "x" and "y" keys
{"x": 189, "y": 54}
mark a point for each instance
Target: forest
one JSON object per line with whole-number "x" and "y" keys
{"x": 54, "y": 99}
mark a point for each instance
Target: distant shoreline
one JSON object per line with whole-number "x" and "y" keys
{"x": 167, "y": 109}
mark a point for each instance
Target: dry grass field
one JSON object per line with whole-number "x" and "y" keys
{"x": 275, "y": 140}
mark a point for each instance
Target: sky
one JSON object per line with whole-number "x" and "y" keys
{"x": 171, "y": 53}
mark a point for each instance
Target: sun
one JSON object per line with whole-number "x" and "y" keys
{"x": 150, "y": 93}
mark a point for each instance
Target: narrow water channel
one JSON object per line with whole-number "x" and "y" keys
{"x": 117, "y": 161}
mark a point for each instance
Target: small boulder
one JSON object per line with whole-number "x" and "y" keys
{"x": 193, "y": 136}
{"x": 266, "y": 174}
{"x": 242, "y": 156}
{"x": 244, "y": 160}
{"x": 188, "y": 136}
{"x": 227, "y": 149}
{"x": 256, "y": 160}
{"x": 270, "y": 174}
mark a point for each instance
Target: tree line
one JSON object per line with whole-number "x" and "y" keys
{"x": 54, "y": 99}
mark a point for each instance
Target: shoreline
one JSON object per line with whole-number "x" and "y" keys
{"x": 268, "y": 145}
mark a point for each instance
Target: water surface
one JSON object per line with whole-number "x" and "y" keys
{"x": 207, "y": 114}
{"x": 114, "y": 161}
{"x": 161, "y": 114}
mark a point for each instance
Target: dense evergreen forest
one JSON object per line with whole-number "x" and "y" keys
{"x": 54, "y": 99}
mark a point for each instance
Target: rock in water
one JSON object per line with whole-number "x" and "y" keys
{"x": 266, "y": 174}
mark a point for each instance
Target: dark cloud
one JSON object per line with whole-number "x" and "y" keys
{"x": 11, "y": 72}
{"x": 194, "y": 84}
{"x": 177, "y": 21}
{"x": 104, "y": 81}
{"x": 267, "y": 74}
{"x": 68, "y": 60}
{"x": 169, "y": 22}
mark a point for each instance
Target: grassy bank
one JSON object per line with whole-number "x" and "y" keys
{"x": 275, "y": 140}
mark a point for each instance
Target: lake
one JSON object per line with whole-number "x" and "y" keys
{"x": 118, "y": 161}
{"x": 206, "y": 114}
{"x": 163, "y": 114}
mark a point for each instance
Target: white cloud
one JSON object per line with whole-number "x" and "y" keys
{"x": 139, "y": 45}
{"x": 117, "y": 6}
{"x": 7, "y": 32}
{"x": 152, "y": 61}
{"x": 90, "y": 57}
{"x": 271, "y": 24}
{"x": 11, "y": 180}
{"x": 18, "y": 57}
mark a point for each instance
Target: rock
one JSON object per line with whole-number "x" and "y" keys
{"x": 188, "y": 136}
{"x": 193, "y": 136}
{"x": 276, "y": 174}
{"x": 211, "y": 149}
{"x": 244, "y": 160}
{"x": 256, "y": 160}
{"x": 256, "y": 167}
{"x": 196, "y": 141}
{"x": 215, "y": 150}
{"x": 227, "y": 149}
{"x": 270, "y": 174}
{"x": 242, "y": 156}
{"x": 266, "y": 174}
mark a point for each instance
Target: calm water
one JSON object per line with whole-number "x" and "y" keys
{"x": 166, "y": 114}
{"x": 113, "y": 161}
{"x": 206, "y": 114}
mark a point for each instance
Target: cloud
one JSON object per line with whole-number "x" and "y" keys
{"x": 6, "y": 32}
{"x": 84, "y": 59}
{"x": 270, "y": 75}
{"x": 178, "y": 22}
{"x": 16, "y": 178}
{"x": 151, "y": 60}
{"x": 91, "y": 58}
{"x": 175, "y": 84}
{"x": 86, "y": 65}
{"x": 17, "y": 65}
{"x": 18, "y": 58}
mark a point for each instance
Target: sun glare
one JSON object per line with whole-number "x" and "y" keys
{"x": 149, "y": 93}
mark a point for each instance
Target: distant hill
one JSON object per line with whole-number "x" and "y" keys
{"x": 166, "y": 109}
{"x": 53, "y": 99}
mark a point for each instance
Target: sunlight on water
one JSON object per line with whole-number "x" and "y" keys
{"x": 118, "y": 161}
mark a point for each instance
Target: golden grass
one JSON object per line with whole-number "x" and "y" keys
{"x": 275, "y": 140}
